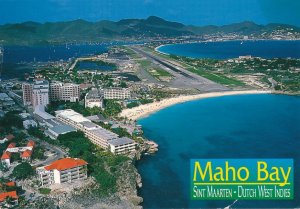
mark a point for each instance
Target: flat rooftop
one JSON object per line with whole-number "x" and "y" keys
{"x": 89, "y": 125}
{"x": 121, "y": 141}
{"x": 104, "y": 134}
{"x": 61, "y": 129}
{"x": 94, "y": 94}
{"x": 72, "y": 115}
{"x": 39, "y": 111}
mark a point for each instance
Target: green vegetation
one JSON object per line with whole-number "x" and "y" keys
{"x": 102, "y": 165}
{"x": 54, "y": 74}
{"x": 44, "y": 191}
{"x": 99, "y": 63}
{"x": 285, "y": 72}
{"x": 3, "y": 167}
{"x": 155, "y": 72}
{"x": 15, "y": 157}
{"x": 112, "y": 108}
{"x": 23, "y": 171}
{"x": 144, "y": 63}
{"x": 103, "y": 80}
{"x": 10, "y": 119}
{"x": 218, "y": 78}
{"x": 146, "y": 101}
{"x": 36, "y": 132}
{"x": 130, "y": 52}
{"x": 38, "y": 153}
{"x": 132, "y": 104}
{"x": 158, "y": 72}
{"x": 121, "y": 132}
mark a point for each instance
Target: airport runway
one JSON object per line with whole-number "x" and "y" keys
{"x": 182, "y": 77}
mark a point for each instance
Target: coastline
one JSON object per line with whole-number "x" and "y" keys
{"x": 147, "y": 109}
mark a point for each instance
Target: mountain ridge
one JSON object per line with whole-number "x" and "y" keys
{"x": 30, "y": 32}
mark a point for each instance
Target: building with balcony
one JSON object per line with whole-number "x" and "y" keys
{"x": 95, "y": 133}
{"x": 94, "y": 98}
{"x": 116, "y": 93}
{"x": 25, "y": 152}
{"x": 54, "y": 127}
{"x": 121, "y": 145}
{"x": 40, "y": 93}
{"x": 66, "y": 170}
{"x": 27, "y": 93}
{"x": 64, "y": 92}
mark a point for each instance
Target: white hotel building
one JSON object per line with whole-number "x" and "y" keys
{"x": 64, "y": 92}
{"x": 98, "y": 135}
{"x": 116, "y": 93}
{"x": 66, "y": 170}
{"x": 41, "y": 92}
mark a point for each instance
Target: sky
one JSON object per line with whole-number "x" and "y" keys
{"x": 190, "y": 12}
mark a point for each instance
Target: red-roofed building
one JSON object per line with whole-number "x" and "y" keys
{"x": 12, "y": 194}
{"x": 11, "y": 184}
{"x": 25, "y": 152}
{"x": 26, "y": 155}
{"x": 30, "y": 143}
{"x": 12, "y": 145}
{"x": 65, "y": 170}
{"x": 5, "y": 158}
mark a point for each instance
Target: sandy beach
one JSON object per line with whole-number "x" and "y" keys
{"x": 144, "y": 110}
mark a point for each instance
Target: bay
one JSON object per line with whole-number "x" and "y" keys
{"x": 234, "y": 49}
{"x": 244, "y": 126}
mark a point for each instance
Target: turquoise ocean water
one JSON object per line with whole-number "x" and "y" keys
{"x": 234, "y": 49}
{"x": 244, "y": 126}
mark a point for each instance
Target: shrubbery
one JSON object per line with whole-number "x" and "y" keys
{"x": 101, "y": 164}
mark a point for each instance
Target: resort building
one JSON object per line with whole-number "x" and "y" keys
{"x": 116, "y": 93}
{"x": 27, "y": 93}
{"x": 25, "y": 152}
{"x": 64, "y": 92}
{"x": 54, "y": 126}
{"x": 55, "y": 131}
{"x": 66, "y": 170}
{"x": 122, "y": 145}
{"x": 94, "y": 132}
{"x": 40, "y": 93}
{"x": 94, "y": 99}
{"x": 41, "y": 115}
{"x": 36, "y": 93}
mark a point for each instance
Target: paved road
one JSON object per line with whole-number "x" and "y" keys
{"x": 183, "y": 77}
{"x": 59, "y": 154}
